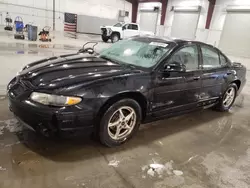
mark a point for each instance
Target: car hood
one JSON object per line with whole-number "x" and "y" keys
{"x": 72, "y": 69}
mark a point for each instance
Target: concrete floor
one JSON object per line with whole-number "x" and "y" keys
{"x": 198, "y": 150}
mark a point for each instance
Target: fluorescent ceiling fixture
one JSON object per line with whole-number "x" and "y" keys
{"x": 242, "y": 8}
{"x": 187, "y": 8}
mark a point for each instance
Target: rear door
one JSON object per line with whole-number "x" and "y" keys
{"x": 130, "y": 30}
{"x": 215, "y": 72}
{"x": 178, "y": 91}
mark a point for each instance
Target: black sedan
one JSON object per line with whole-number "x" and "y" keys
{"x": 134, "y": 81}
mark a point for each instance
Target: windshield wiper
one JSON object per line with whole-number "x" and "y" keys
{"x": 109, "y": 59}
{"x": 117, "y": 62}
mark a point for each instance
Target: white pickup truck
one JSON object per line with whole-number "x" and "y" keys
{"x": 121, "y": 31}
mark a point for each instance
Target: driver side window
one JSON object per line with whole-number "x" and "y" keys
{"x": 125, "y": 26}
{"x": 187, "y": 56}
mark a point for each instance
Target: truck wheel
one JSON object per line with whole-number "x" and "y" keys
{"x": 105, "y": 39}
{"x": 115, "y": 37}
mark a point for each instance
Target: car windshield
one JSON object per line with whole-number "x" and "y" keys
{"x": 143, "y": 53}
{"x": 118, "y": 25}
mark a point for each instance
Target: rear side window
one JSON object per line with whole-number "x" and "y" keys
{"x": 135, "y": 27}
{"x": 210, "y": 58}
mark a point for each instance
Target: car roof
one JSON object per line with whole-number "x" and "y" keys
{"x": 177, "y": 41}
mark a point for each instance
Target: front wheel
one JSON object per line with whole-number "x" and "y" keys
{"x": 115, "y": 37}
{"x": 228, "y": 98}
{"x": 105, "y": 39}
{"x": 120, "y": 122}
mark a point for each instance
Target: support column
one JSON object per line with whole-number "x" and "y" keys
{"x": 163, "y": 11}
{"x": 134, "y": 11}
{"x": 210, "y": 13}
{"x": 54, "y": 15}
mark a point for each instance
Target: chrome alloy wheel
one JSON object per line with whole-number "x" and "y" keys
{"x": 122, "y": 123}
{"x": 229, "y": 97}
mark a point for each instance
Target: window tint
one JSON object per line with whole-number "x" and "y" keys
{"x": 210, "y": 58}
{"x": 223, "y": 60}
{"x": 130, "y": 26}
{"x": 135, "y": 27}
{"x": 126, "y": 26}
{"x": 187, "y": 56}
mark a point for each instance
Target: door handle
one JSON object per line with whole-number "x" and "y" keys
{"x": 196, "y": 77}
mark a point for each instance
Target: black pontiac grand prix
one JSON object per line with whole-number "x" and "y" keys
{"x": 132, "y": 82}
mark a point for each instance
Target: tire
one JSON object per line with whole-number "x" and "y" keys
{"x": 113, "y": 115}
{"x": 222, "y": 106}
{"x": 115, "y": 38}
{"x": 105, "y": 39}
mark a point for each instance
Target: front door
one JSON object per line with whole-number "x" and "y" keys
{"x": 130, "y": 30}
{"x": 177, "y": 91}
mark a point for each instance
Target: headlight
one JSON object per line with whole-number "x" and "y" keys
{"x": 54, "y": 100}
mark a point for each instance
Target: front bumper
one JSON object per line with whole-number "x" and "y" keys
{"x": 106, "y": 32}
{"x": 38, "y": 116}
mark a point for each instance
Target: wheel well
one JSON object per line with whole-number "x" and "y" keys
{"x": 138, "y": 97}
{"x": 119, "y": 35}
{"x": 238, "y": 83}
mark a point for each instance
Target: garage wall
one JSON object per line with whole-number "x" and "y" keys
{"x": 99, "y": 8}
{"x": 40, "y": 11}
{"x": 201, "y": 33}
{"x": 159, "y": 30}
{"x": 219, "y": 17}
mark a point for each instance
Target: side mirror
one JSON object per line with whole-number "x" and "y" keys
{"x": 175, "y": 67}
{"x": 123, "y": 27}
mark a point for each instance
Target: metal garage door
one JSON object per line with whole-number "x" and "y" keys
{"x": 235, "y": 37}
{"x": 185, "y": 23}
{"x": 148, "y": 20}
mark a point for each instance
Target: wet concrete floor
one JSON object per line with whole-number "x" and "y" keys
{"x": 199, "y": 150}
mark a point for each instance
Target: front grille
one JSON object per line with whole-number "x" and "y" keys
{"x": 17, "y": 89}
{"x": 104, "y": 31}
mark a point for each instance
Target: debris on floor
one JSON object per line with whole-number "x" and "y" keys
{"x": 114, "y": 163}
{"x": 75, "y": 181}
{"x": 1, "y": 130}
{"x": 156, "y": 169}
{"x": 160, "y": 143}
{"x": 2, "y": 169}
{"x": 12, "y": 125}
{"x": 177, "y": 172}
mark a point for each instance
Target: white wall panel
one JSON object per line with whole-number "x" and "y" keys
{"x": 40, "y": 11}
{"x": 185, "y": 25}
{"x": 151, "y": 6}
{"x": 235, "y": 38}
{"x": 186, "y": 3}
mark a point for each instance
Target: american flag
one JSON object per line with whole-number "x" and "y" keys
{"x": 70, "y": 21}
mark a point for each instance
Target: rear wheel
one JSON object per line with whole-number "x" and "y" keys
{"x": 228, "y": 98}
{"x": 115, "y": 37}
{"x": 120, "y": 122}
